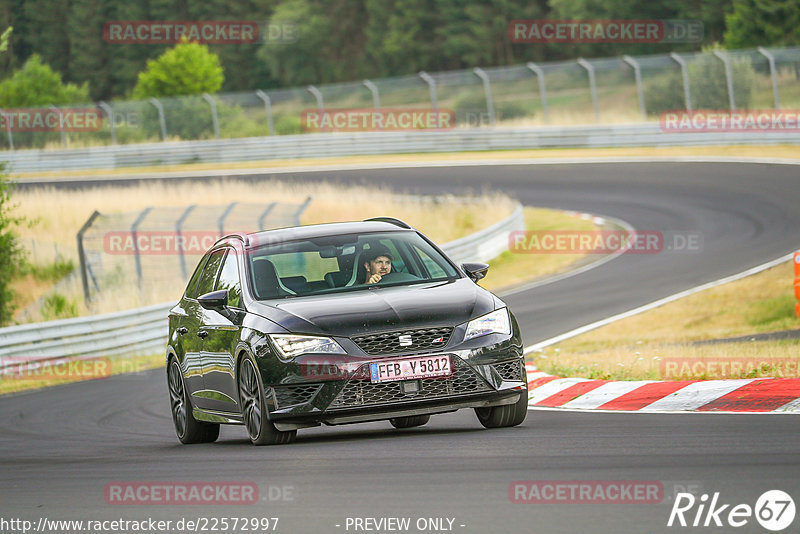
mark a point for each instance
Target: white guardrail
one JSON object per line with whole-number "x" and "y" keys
{"x": 144, "y": 330}
{"x": 365, "y": 143}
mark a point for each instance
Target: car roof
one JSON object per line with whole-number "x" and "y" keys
{"x": 293, "y": 233}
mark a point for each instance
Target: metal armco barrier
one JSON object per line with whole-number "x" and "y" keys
{"x": 367, "y": 143}
{"x": 797, "y": 282}
{"x": 144, "y": 330}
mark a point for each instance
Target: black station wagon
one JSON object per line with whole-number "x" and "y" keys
{"x": 338, "y": 323}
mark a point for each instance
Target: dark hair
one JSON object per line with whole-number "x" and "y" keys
{"x": 377, "y": 251}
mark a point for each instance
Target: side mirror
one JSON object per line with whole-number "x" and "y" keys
{"x": 476, "y": 271}
{"x": 216, "y": 300}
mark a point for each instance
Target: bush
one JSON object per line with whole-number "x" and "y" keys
{"x": 57, "y": 306}
{"x": 187, "y": 69}
{"x": 11, "y": 253}
{"x": 36, "y": 84}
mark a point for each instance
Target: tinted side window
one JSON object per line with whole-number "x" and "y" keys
{"x": 192, "y": 285}
{"x": 209, "y": 276}
{"x": 435, "y": 270}
{"x": 229, "y": 279}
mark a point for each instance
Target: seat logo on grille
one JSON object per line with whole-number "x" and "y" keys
{"x": 438, "y": 340}
{"x": 405, "y": 341}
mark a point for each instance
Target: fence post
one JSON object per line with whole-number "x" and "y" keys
{"x": 592, "y": 85}
{"x": 178, "y": 229}
{"x": 318, "y": 97}
{"x": 728, "y": 77}
{"x": 221, "y": 220}
{"x": 637, "y": 73}
{"x": 8, "y": 128}
{"x": 138, "y": 261}
{"x": 161, "y": 121}
{"x": 214, "y": 118}
{"x": 376, "y": 99}
{"x": 110, "y": 114}
{"x": 764, "y": 52}
{"x": 300, "y": 211}
{"x": 487, "y": 91}
{"x": 687, "y": 95}
{"x": 264, "y": 214}
{"x": 542, "y": 88}
{"x": 60, "y": 124}
{"x": 82, "y": 256}
{"x": 432, "y": 90}
{"x": 268, "y": 106}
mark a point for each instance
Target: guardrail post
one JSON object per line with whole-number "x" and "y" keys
{"x": 60, "y": 124}
{"x": 82, "y": 256}
{"x": 221, "y": 220}
{"x": 542, "y": 88}
{"x": 214, "y": 118}
{"x": 637, "y": 73}
{"x": 300, "y": 211}
{"x": 178, "y": 230}
{"x": 264, "y": 214}
{"x": 687, "y": 94}
{"x": 771, "y": 59}
{"x": 432, "y": 90}
{"x": 592, "y": 85}
{"x": 728, "y": 77}
{"x": 138, "y": 260}
{"x": 487, "y": 91}
{"x": 8, "y": 129}
{"x": 161, "y": 121}
{"x": 110, "y": 114}
{"x": 268, "y": 106}
{"x": 376, "y": 99}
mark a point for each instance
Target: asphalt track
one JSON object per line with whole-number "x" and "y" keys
{"x": 60, "y": 447}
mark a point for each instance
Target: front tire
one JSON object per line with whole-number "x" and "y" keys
{"x": 410, "y": 421}
{"x": 504, "y": 416}
{"x": 254, "y": 410}
{"x": 188, "y": 429}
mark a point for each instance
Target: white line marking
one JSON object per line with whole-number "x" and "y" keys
{"x": 696, "y": 394}
{"x": 551, "y": 388}
{"x": 793, "y": 406}
{"x": 671, "y": 412}
{"x": 603, "y": 394}
{"x": 657, "y": 303}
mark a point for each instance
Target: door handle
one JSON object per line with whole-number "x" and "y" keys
{"x": 182, "y": 330}
{"x": 203, "y": 334}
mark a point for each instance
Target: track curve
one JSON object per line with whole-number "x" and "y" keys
{"x": 60, "y": 447}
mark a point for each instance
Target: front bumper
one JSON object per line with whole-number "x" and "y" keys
{"x": 476, "y": 382}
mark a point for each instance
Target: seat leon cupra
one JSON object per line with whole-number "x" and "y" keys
{"x": 334, "y": 324}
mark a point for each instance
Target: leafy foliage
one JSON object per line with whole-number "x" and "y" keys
{"x": 36, "y": 84}
{"x": 187, "y": 69}
{"x": 11, "y": 253}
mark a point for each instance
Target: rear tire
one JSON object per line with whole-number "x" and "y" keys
{"x": 410, "y": 421}
{"x": 187, "y": 428}
{"x": 254, "y": 410}
{"x": 504, "y": 416}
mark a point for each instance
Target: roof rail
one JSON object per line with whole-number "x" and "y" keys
{"x": 390, "y": 220}
{"x": 240, "y": 235}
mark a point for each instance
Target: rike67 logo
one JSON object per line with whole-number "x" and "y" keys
{"x": 774, "y": 510}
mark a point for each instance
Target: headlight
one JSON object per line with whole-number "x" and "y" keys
{"x": 290, "y": 345}
{"x": 496, "y": 322}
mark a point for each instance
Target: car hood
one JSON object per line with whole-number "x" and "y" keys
{"x": 381, "y": 308}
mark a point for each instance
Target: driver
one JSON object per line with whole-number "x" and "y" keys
{"x": 377, "y": 263}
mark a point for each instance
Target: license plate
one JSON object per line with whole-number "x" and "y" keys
{"x": 410, "y": 369}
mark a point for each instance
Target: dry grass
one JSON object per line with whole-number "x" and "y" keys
{"x": 118, "y": 365}
{"x": 510, "y": 269}
{"x": 627, "y": 349}
{"x": 60, "y": 214}
{"x": 766, "y": 151}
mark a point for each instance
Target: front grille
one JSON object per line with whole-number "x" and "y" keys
{"x": 286, "y": 396}
{"x": 510, "y": 370}
{"x": 389, "y": 342}
{"x": 463, "y": 381}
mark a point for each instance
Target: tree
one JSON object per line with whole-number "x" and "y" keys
{"x": 186, "y": 69}
{"x": 11, "y": 253}
{"x": 36, "y": 84}
{"x": 763, "y": 23}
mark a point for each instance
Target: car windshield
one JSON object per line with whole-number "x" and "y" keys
{"x": 350, "y": 262}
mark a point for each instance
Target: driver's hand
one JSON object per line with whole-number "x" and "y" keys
{"x": 374, "y": 279}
